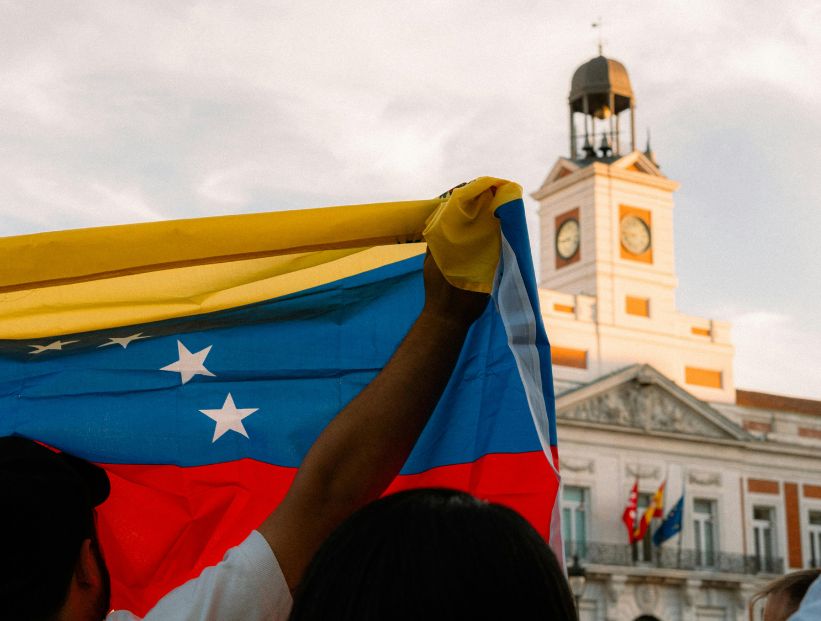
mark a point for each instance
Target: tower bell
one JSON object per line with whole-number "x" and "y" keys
{"x": 600, "y": 92}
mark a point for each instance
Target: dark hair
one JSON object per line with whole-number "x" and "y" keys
{"x": 49, "y": 499}
{"x": 434, "y": 553}
{"x": 792, "y": 586}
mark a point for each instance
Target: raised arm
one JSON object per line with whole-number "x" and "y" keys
{"x": 361, "y": 451}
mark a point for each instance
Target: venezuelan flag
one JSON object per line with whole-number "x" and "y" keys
{"x": 198, "y": 360}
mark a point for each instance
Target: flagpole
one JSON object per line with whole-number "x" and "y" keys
{"x": 632, "y": 527}
{"x": 683, "y": 507}
{"x": 663, "y": 512}
{"x": 635, "y": 543}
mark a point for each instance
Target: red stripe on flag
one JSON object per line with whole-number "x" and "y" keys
{"x": 522, "y": 481}
{"x": 162, "y": 525}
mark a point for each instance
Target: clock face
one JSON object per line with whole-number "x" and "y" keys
{"x": 567, "y": 238}
{"x": 635, "y": 235}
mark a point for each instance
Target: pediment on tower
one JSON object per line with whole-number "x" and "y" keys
{"x": 638, "y": 162}
{"x": 639, "y": 399}
{"x": 562, "y": 168}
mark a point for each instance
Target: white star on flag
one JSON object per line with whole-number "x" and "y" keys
{"x": 123, "y": 341}
{"x": 55, "y": 346}
{"x": 189, "y": 364}
{"x": 228, "y": 418}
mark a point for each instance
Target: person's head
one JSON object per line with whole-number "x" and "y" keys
{"x": 434, "y": 553}
{"x": 783, "y": 595}
{"x": 52, "y": 564}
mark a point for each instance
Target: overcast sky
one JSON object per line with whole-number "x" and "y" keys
{"x": 114, "y": 112}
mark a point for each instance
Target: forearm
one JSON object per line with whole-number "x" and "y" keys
{"x": 361, "y": 451}
{"x": 365, "y": 446}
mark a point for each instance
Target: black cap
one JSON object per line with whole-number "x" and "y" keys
{"x": 47, "y": 499}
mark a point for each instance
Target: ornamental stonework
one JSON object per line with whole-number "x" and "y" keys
{"x": 644, "y": 407}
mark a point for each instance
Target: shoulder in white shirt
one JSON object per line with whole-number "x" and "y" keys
{"x": 247, "y": 585}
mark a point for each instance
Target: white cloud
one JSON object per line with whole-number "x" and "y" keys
{"x": 116, "y": 112}
{"x": 45, "y": 200}
{"x": 34, "y": 91}
{"x": 128, "y": 201}
{"x": 229, "y": 185}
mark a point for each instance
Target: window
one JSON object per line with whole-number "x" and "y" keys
{"x": 814, "y": 529}
{"x": 643, "y": 550}
{"x": 703, "y": 377}
{"x": 704, "y": 530}
{"x": 574, "y": 520}
{"x": 568, "y": 357}
{"x": 637, "y": 306}
{"x": 763, "y": 538}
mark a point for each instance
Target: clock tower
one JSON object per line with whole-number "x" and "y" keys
{"x": 607, "y": 262}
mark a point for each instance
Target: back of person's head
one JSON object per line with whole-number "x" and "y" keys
{"x": 47, "y": 514}
{"x": 434, "y": 553}
{"x": 783, "y": 596}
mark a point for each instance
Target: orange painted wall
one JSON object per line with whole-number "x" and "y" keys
{"x": 794, "y": 552}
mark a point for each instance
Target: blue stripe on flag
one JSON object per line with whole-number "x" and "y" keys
{"x": 295, "y": 360}
{"x": 514, "y": 229}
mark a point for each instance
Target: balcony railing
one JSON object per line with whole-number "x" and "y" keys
{"x": 670, "y": 557}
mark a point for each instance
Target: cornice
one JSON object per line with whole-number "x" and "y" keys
{"x": 727, "y": 442}
{"x": 564, "y": 182}
{"x": 668, "y": 576}
{"x": 745, "y": 447}
{"x": 599, "y": 169}
{"x": 614, "y": 172}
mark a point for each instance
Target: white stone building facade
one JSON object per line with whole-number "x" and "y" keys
{"x": 645, "y": 393}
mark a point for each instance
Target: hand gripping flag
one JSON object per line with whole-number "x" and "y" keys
{"x": 198, "y": 360}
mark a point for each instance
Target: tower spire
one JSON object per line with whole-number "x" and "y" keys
{"x": 598, "y": 25}
{"x": 648, "y": 151}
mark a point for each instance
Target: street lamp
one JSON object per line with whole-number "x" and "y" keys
{"x": 577, "y": 577}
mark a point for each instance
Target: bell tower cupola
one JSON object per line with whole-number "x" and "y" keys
{"x": 601, "y": 100}
{"x": 608, "y": 276}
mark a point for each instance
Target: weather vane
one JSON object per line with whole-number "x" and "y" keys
{"x": 598, "y": 25}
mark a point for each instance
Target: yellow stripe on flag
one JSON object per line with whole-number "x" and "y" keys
{"x": 88, "y": 279}
{"x": 183, "y": 291}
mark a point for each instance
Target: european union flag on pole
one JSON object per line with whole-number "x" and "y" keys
{"x": 671, "y": 525}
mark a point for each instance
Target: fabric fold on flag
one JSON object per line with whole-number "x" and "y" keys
{"x": 226, "y": 261}
{"x": 630, "y": 512}
{"x": 198, "y": 360}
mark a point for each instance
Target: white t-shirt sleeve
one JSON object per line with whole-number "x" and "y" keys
{"x": 247, "y": 585}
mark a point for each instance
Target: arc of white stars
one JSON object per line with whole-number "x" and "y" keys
{"x": 123, "y": 341}
{"x": 55, "y": 346}
{"x": 228, "y": 418}
{"x": 189, "y": 364}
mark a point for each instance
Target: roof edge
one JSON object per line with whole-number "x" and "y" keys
{"x": 781, "y": 403}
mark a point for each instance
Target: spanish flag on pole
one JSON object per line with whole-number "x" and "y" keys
{"x": 654, "y": 510}
{"x": 198, "y": 360}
